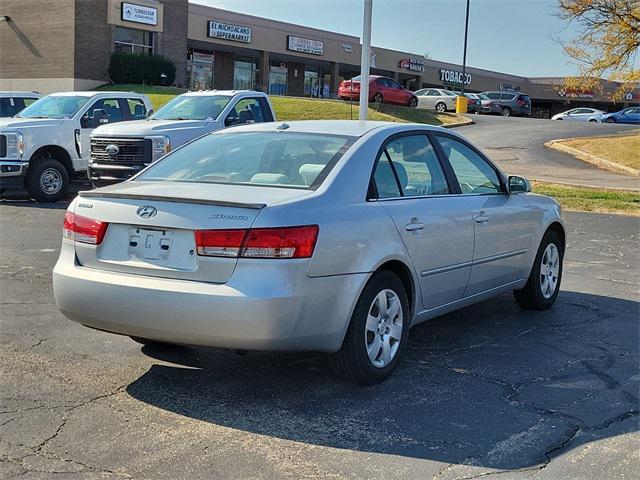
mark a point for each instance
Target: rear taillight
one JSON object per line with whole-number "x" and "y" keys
{"x": 283, "y": 242}
{"x": 521, "y": 102}
{"x": 82, "y": 229}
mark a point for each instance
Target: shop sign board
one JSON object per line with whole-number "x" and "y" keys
{"x": 454, "y": 77}
{"x": 229, "y": 31}
{"x": 130, "y": 12}
{"x": 305, "y": 45}
{"x": 412, "y": 64}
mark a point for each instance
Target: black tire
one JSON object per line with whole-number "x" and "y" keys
{"x": 151, "y": 343}
{"x": 505, "y": 112}
{"x": 377, "y": 98}
{"x": 593, "y": 120}
{"x": 441, "y": 107}
{"x": 413, "y": 102}
{"x": 50, "y": 172}
{"x": 531, "y": 296}
{"x": 610, "y": 120}
{"x": 352, "y": 361}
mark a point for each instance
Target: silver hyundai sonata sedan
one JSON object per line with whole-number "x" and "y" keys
{"x": 330, "y": 236}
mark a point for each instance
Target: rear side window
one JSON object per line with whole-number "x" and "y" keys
{"x": 525, "y": 98}
{"x": 137, "y": 108}
{"x": 409, "y": 167}
{"x": 508, "y": 96}
{"x": 296, "y": 160}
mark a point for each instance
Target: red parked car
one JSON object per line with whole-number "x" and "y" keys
{"x": 381, "y": 89}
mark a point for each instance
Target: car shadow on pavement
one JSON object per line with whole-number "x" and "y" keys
{"x": 490, "y": 385}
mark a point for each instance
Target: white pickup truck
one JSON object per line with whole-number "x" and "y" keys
{"x": 120, "y": 151}
{"x": 46, "y": 145}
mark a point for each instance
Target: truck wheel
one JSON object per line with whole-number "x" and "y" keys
{"x": 48, "y": 180}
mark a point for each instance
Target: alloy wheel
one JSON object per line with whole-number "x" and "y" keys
{"x": 383, "y": 329}
{"x": 549, "y": 271}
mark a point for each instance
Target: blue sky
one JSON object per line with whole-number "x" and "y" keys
{"x": 510, "y": 36}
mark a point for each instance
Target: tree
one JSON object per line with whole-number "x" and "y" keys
{"x": 606, "y": 45}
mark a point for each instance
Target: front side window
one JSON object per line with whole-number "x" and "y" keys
{"x": 129, "y": 40}
{"x": 294, "y": 160}
{"x": 54, "y": 106}
{"x": 111, "y": 108}
{"x": 473, "y": 173}
{"x": 247, "y": 110}
{"x": 193, "y": 107}
{"x": 413, "y": 164}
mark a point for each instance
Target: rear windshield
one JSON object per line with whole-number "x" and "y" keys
{"x": 282, "y": 159}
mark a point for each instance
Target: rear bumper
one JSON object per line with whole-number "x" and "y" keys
{"x": 278, "y": 308}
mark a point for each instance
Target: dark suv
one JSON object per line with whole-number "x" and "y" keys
{"x": 508, "y": 103}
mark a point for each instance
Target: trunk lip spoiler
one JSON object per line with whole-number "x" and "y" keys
{"x": 162, "y": 198}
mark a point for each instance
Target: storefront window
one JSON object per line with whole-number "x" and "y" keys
{"x": 200, "y": 70}
{"x": 245, "y": 73}
{"x": 278, "y": 79}
{"x": 129, "y": 40}
{"x": 311, "y": 82}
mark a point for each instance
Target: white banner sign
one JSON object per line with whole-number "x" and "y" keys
{"x": 228, "y": 31}
{"x": 305, "y": 45}
{"x": 139, "y": 13}
{"x": 412, "y": 64}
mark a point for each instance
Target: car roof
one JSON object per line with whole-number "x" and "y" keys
{"x": 231, "y": 93}
{"x": 20, "y": 94}
{"x": 351, "y": 128}
{"x": 93, "y": 93}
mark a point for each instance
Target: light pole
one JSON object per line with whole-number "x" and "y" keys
{"x": 364, "y": 61}
{"x": 464, "y": 55}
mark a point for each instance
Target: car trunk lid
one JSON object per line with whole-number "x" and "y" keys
{"x": 152, "y": 228}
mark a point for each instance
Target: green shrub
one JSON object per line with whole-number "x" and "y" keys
{"x": 140, "y": 68}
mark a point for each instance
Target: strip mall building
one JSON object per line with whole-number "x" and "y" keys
{"x": 67, "y": 44}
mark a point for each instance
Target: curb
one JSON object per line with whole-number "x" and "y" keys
{"x": 468, "y": 121}
{"x": 590, "y": 158}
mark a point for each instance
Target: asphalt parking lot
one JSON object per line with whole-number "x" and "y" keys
{"x": 517, "y": 146}
{"x": 490, "y": 390}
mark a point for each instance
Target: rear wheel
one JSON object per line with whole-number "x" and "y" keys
{"x": 48, "y": 180}
{"x": 505, "y": 112}
{"x": 441, "y": 107}
{"x": 377, "y": 98}
{"x": 543, "y": 286}
{"x": 377, "y": 333}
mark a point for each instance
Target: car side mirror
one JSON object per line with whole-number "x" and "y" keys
{"x": 149, "y": 113}
{"x": 231, "y": 121}
{"x": 85, "y": 121}
{"x": 518, "y": 184}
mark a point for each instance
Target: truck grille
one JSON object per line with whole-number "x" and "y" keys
{"x": 106, "y": 168}
{"x": 3, "y": 146}
{"x": 131, "y": 150}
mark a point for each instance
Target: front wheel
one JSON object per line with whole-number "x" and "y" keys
{"x": 611, "y": 120}
{"x": 48, "y": 180}
{"x": 441, "y": 107}
{"x": 413, "y": 102}
{"x": 377, "y": 333}
{"x": 543, "y": 286}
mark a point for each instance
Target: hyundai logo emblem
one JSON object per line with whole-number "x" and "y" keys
{"x": 112, "y": 149}
{"x": 146, "y": 211}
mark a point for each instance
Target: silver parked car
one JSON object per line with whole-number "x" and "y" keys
{"x": 580, "y": 115}
{"x": 330, "y": 236}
